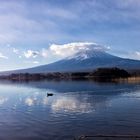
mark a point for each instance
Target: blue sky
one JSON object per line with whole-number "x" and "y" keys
{"x": 36, "y": 32}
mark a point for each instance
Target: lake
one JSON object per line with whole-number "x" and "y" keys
{"x": 76, "y": 108}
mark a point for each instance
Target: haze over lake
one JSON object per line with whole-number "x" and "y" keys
{"x": 76, "y": 108}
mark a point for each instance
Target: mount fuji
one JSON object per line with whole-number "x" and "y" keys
{"x": 84, "y": 60}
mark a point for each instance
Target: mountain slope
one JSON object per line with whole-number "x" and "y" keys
{"x": 85, "y": 61}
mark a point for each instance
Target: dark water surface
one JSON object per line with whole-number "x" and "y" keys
{"x": 76, "y": 108}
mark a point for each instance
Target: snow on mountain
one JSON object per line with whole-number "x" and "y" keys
{"x": 87, "y": 54}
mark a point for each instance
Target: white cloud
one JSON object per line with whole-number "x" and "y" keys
{"x": 54, "y": 52}
{"x": 3, "y": 56}
{"x": 31, "y": 54}
{"x": 57, "y": 52}
{"x": 72, "y": 48}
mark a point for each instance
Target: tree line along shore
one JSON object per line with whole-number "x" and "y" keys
{"x": 98, "y": 74}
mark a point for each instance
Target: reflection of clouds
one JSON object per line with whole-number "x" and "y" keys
{"x": 45, "y": 100}
{"x": 3, "y": 100}
{"x": 71, "y": 105}
{"x": 29, "y": 101}
{"x": 132, "y": 94}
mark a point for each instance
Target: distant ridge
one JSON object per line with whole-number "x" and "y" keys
{"x": 87, "y": 60}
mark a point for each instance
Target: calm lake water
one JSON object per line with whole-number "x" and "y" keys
{"x": 76, "y": 108}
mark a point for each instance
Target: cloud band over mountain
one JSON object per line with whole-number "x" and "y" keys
{"x": 72, "y": 48}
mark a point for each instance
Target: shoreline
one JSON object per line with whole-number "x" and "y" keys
{"x": 103, "y": 79}
{"x": 100, "y": 75}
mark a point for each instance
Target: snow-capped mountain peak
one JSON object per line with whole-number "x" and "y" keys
{"x": 86, "y": 54}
